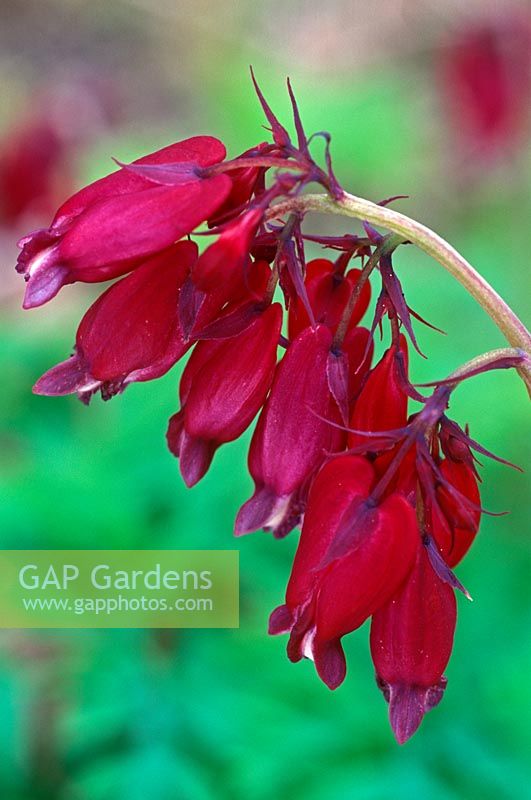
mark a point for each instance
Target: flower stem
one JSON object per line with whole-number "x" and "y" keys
{"x": 435, "y": 246}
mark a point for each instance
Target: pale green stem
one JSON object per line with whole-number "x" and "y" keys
{"x": 435, "y": 246}
{"x": 484, "y": 362}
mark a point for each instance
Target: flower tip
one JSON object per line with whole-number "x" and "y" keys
{"x": 408, "y": 704}
{"x": 406, "y": 711}
{"x": 43, "y": 286}
{"x": 195, "y": 457}
{"x": 330, "y": 663}
{"x": 65, "y": 378}
{"x": 280, "y": 621}
{"x": 264, "y": 508}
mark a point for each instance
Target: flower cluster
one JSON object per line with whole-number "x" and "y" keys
{"x": 386, "y": 495}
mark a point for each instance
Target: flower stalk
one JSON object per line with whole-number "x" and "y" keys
{"x": 435, "y": 246}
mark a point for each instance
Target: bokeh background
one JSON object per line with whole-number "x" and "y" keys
{"x": 424, "y": 98}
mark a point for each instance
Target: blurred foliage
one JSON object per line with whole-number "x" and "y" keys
{"x": 122, "y": 715}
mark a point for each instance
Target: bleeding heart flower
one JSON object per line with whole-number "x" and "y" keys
{"x": 411, "y": 642}
{"x": 323, "y": 603}
{"x": 222, "y": 389}
{"x": 114, "y": 224}
{"x": 131, "y": 333}
{"x": 328, "y": 291}
{"x": 291, "y": 435}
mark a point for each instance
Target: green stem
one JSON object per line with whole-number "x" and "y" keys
{"x": 434, "y": 245}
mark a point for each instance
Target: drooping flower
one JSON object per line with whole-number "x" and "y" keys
{"x": 246, "y": 181}
{"x": 456, "y": 515}
{"x": 382, "y": 403}
{"x": 387, "y": 504}
{"x": 328, "y": 291}
{"x": 32, "y": 171}
{"x": 291, "y": 435}
{"x": 223, "y": 262}
{"x": 411, "y": 642}
{"x": 222, "y": 389}
{"x": 358, "y": 350}
{"x": 325, "y": 603}
{"x": 486, "y": 79}
{"x": 111, "y": 226}
{"x": 131, "y": 333}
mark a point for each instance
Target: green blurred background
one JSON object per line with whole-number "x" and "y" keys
{"x": 121, "y": 715}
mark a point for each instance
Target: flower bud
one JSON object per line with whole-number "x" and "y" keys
{"x": 222, "y": 389}
{"x": 411, "y": 642}
{"x": 455, "y": 522}
{"x": 328, "y": 292}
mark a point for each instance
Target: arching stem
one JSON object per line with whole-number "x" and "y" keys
{"x": 434, "y": 245}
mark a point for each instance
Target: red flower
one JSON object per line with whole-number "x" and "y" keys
{"x": 328, "y": 291}
{"x": 411, "y": 642}
{"x": 131, "y": 333}
{"x": 222, "y": 389}
{"x": 358, "y": 350}
{"x": 245, "y": 182}
{"x": 486, "y": 75}
{"x": 455, "y": 521}
{"x": 222, "y": 264}
{"x": 112, "y": 225}
{"x": 31, "y": 171}
{"x": 382, "y": 402}
{"x": 324, "y": 604}
{"x": 289, "y": 441}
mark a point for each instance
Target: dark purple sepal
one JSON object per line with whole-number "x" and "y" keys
{"x": 264, "y": 508}
{"x": 280, "y": 621}
{"x": 166, "y": 174}
{"x": 440, "y": 566}
{"x": 337, "y": 374}
{"x": 66, "y": 378}
{"x": 408, "y": 704}
{"x": 288, "y": 258}
{"x": 280, "y": 134}
{"x": 301, "y": 136}
{"x": 330, "y": 662}
{"x": 357, "y": 523}
{"x": 191, "y": 300}
{"x": 393, "y": 287}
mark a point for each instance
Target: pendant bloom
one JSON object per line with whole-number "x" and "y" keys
{"x": 411, "y": 642}
{"x": 211, "y": 259}
{"x": 113, "y": 225}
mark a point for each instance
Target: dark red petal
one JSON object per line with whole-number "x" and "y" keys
{"x": 139, "y": 224}
{"x": 131, "y": 332}
{"x": 289, "y": 440}
{"x": 338, "y": 482}
{"x": 204, "y": 150}
{"x": 228, "y": 390}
